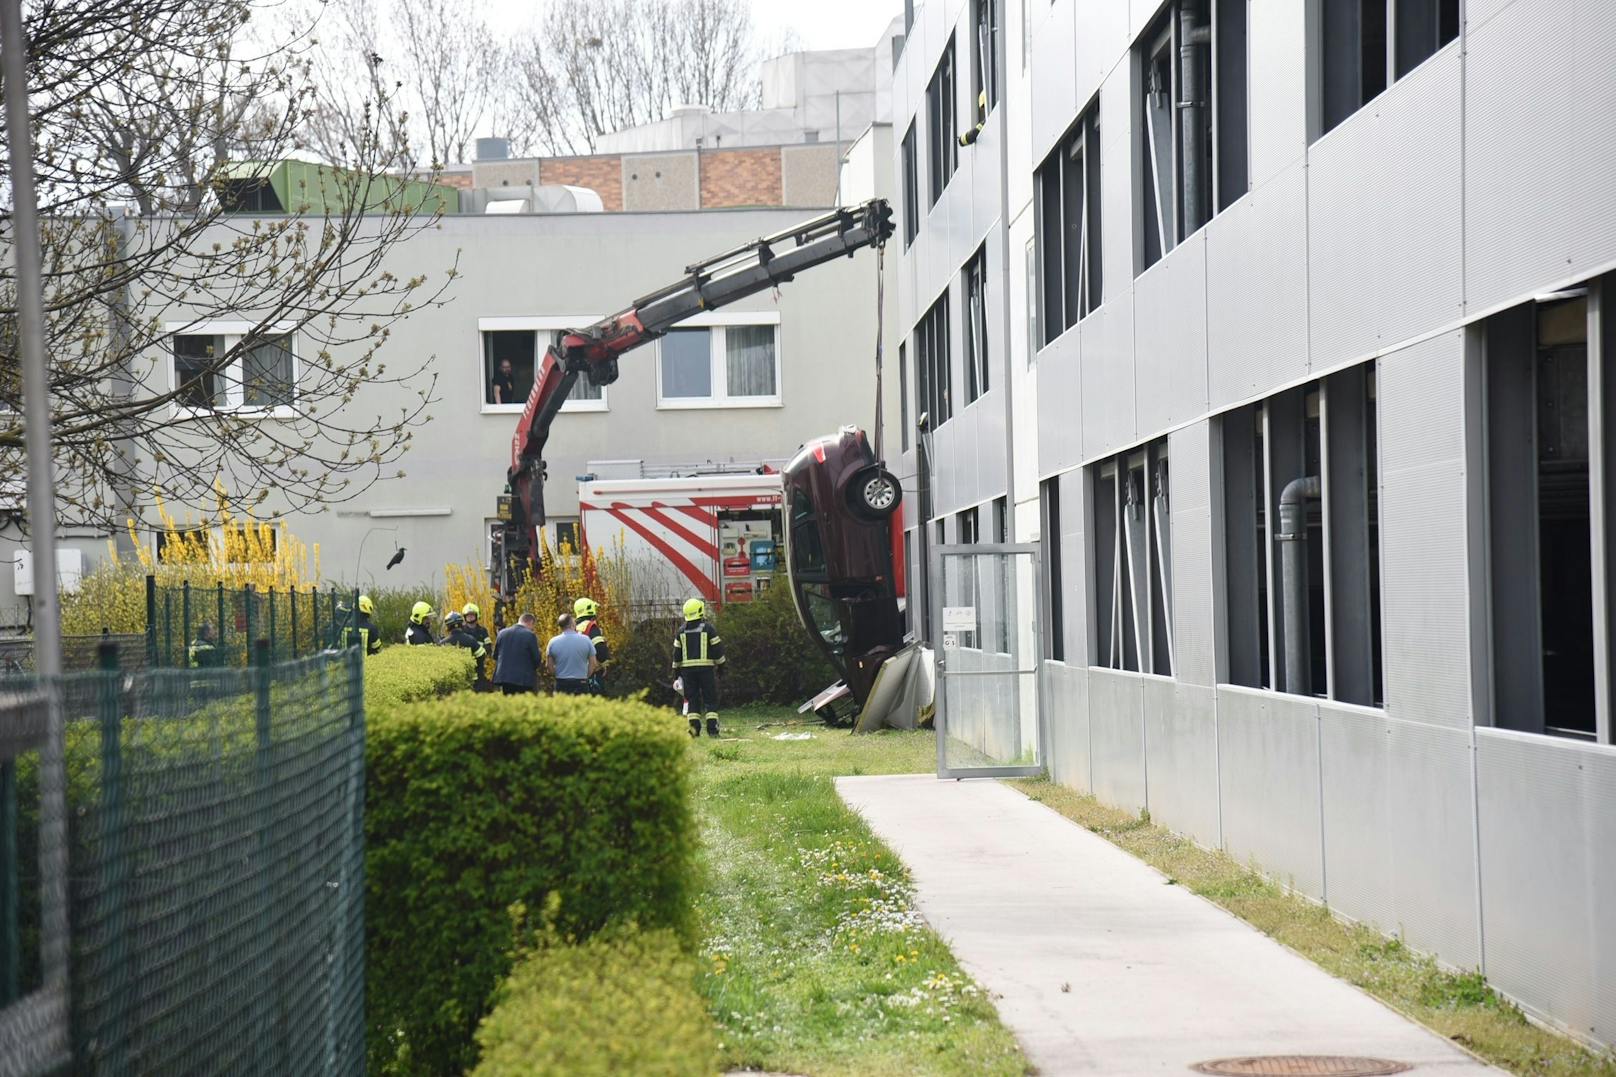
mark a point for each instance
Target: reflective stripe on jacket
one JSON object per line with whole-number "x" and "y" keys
{"x": 697, "y": 644}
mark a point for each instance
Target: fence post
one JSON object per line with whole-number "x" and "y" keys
{"x": 263, "y": 777}
{"x": 314, "y": 611}
{"x": 274, "y": 643}
{"x": 291, "y": 594}
{"x": 220, "y": 624}
{"x": 185, "y": 620}
{"x": 151, "y": 620}
{"x": 10, "y": 936}
{"x": 168, "y": 628}
{"x": 113, "y": 1035}
{"x": 247, "y": 604}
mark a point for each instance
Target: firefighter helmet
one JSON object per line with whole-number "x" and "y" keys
{"x": 420, "y": 612}
{"x": 695, "y": 609}
{"x": 452, "y": 619}
{"x": 585, "y": 607}
{"x": 470, "y": 610}
{"x": 366, "y": 606}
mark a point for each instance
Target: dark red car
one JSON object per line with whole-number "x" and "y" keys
{"x": 844, "y": 577}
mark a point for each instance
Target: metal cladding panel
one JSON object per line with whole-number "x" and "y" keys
{"x": 1477, "y": 12}
{"x": 1594, "y": 105}
{"x": 1060, "y": 403}
{"x": 1054, "y": 83}
{"x": 1116, "y": 182}
{"x": 1170, "y": 338}
{"x": 1548, "y": 866}
{"x": 1399, "y": 834}
{"x": 1140, "y": 12}
{"x": 1117, "y": 738}
{"x": 1277, "y": 47}
{"x": 1074, "y": 567}
{"x": 958, "y": 199}
{"x": 1101, "y": 43}
{"x": 1527, "y": 207}
{"x": 1189, "y": 499}
{"x": 1268, "y": 770}
{"x": 1256, "y": 290}
{"x": 1181, "y": 751}
{"x": 1385, "y": 218}
{"x": 1067, "y": 709}
{"x": 1423, "y": 533}
{"x": 985, "y": 187}
{"x": 1107, "y": 342}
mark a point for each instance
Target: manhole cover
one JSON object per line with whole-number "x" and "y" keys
{"x": 1313, "y": 1065}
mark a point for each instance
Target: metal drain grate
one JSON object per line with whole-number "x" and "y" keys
{"x": 1310, "y": 1065}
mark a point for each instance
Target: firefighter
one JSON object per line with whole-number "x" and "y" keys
{"x": 456, "y": 635}
{"x": 586, "y": 614}
{"x": 419, "y": 632}
{"x": 361, "y": 631}
{"x": 698, "y": 659}
{"x": 473, "y": 627}
{"x": 203, "y": 653}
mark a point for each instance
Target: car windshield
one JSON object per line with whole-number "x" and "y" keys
{"x": 828, "y": 616}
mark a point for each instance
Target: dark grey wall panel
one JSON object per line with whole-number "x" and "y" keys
{"x": 1268, "y": 764}
{"x": 1548, "y": 866}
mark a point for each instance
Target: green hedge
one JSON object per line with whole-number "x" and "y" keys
{"x": 476, "y": 803}
{"x": 622, "y": 1002}
{"x": 401, "y": 675}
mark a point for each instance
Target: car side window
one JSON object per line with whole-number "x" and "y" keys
{"x": 807, "y": 547}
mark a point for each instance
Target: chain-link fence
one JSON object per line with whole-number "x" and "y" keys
{"x": 211, "y": 821}
{"x": 211, "y": 626}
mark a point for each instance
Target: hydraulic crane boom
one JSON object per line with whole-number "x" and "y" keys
{"x": 592, "y": 352}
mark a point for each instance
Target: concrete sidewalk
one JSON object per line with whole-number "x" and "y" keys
{"x": 1159, "y": 979}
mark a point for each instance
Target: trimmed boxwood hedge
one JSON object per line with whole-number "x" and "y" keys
{"x": 622, "y": 1002}
{"x": 478, "y": 803}
{"x": 401, "y": 674}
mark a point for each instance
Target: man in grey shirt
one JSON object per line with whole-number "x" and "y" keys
{"x": 571, "y": 658}
{"x": 516, "y": 657}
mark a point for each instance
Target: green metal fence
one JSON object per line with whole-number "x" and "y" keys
{"x": 295, "y": 622}
{"x": 214, "y": 867}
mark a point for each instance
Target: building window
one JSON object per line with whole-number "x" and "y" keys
{"x": 1539, "y": 390}
{"x": 943, "y": 146}
{"x": 1133, "y": 583}
{"x": 567, "y": 536}
{"x": 1068, "y": 227}
{"x": 1360, "y": 41}
{"x": 976, "y": 325}
{"x": 234, "y": 371}
{"x": 513, "y": 350}
{"x": 985, "y": 87}
{"x": 911, "y": 189}
{"x": 935, "y": 373}
{"x": 903, "y": 394}
{"x": 1050, "y": 511}
{"x": 1192, "y": 120}
{"x": 719, "y": 365}
{"x": 1291, "y": 508}
{"x": 1001, "y": 519}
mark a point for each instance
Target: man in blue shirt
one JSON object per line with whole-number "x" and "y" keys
{"x": 570, "y": 657}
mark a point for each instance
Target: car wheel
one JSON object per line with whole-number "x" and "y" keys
{"x": 875, "y": 492}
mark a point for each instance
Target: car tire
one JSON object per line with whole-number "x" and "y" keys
{"x": 875, "y": 493}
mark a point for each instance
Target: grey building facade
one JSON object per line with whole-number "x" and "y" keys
{"x": 1298, "y": 337}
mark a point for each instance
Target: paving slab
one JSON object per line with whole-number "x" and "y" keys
{"x": 1096, "y": 962}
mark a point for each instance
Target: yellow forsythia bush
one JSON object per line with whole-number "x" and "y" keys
{"x": 621, "y": 1002}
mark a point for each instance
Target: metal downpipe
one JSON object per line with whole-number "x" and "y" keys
{"x": 1194, "y": 38}
{"x": 1293, "y": 577}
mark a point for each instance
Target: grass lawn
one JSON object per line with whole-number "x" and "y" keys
{"x": 1458, "y": 1005}
{"x": 814, "y": 960}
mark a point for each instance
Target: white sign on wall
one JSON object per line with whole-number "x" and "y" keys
{"x": 959, "y": 618}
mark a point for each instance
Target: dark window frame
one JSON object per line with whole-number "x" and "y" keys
{"x": 1071, "y": 281}
{"x": 942, "y": 126}
{"x": 911, "y": 188}
{"x": 973, "y": 284}
{"x": 1361, "y": 47}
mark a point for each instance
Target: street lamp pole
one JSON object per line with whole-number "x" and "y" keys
{"x": 360, "y": 560}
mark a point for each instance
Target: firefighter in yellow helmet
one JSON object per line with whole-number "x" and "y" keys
{"x": 419, "y": 632}
{"x": 586, "y": 615}
{"x": 471, "y": 625}
{"x": 698, "y": 659}
{"x": 361, "y": 631}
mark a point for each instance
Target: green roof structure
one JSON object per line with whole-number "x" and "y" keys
{"x": 291, "y": 186}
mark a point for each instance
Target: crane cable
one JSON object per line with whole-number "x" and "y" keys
{"x": 880, "y": 309}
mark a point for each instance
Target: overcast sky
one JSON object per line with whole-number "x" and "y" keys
{"x": 825, "y": 24}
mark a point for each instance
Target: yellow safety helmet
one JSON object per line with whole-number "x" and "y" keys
{"x": 695, "y": 609}
{"x": 366, "y": 605}
{"x": 470, "y": 610}
{"x": 585, "y": 607}
{"x": 420, "y": 612}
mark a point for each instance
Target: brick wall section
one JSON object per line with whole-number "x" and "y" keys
{"x": 603, "y": 175}
{"x": 740, "y": 178}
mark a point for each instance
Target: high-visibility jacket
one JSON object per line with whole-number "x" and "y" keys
{"x": 417, "y": 635}
{"x": 361, "y": 633}
{"x": 697, "y": 645}
{"x": 204, "y": 655}
{"x": 590, "y": 626}
{"x": 461, "y": 638}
